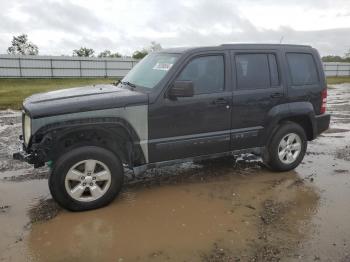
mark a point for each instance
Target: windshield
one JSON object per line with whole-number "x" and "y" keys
{"x": 151, "y": 69}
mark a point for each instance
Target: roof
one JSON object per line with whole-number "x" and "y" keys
{"x": 233, "y": 46}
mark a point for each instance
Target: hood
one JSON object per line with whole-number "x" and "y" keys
{"x": 82, "y": 99}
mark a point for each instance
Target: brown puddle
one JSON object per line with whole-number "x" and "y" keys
{"x": 181, "y": 222}
{"x": 14, "y": 222}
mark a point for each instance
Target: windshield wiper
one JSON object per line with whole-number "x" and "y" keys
{"x": 128, "y": 84}
{"x": 115, "y": 83}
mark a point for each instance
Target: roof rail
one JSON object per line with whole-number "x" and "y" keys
{"x": 264, "y": 44}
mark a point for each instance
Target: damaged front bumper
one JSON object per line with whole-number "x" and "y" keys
{"x": 33, "y": 157}
{"x": 22, "y": 156}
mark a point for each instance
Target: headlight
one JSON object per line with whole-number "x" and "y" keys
{"x": 27, "y": 129}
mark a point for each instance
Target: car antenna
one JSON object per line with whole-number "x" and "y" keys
{"x": 281, "y": 39}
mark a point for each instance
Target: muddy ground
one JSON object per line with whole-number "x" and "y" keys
{"x": 216, "y": 211}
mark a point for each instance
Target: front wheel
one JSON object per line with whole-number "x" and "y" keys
{"x": 287, "y": 147}
{"x": 86, "y": 178}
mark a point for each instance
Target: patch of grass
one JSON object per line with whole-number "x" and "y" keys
{"x": 14, "y": 91}
{"x": 333, "y": 80}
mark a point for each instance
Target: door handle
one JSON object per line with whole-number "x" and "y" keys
{"x": 220, "y": 101}
{"x": 276, "y": 95}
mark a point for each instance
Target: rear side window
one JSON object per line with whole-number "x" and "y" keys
{"x": 206, "y": 73}
{"x": 256, "y": 71}
{"x": 302, "y": 69}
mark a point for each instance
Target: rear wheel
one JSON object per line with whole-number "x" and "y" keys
{"x": 86, "y": 178}
{"x": 287, "y": 147}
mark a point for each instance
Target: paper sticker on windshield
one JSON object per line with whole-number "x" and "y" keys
{"x": 162, "y": 66}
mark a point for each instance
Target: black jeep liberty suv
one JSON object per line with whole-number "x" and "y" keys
{"x": 177, "y": 105}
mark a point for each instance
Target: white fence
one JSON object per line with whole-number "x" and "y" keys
{"x": 336, "y": 69}
{"x": 63, "y": 66}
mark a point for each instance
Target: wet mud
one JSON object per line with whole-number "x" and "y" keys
{"x": 221, "y": 210}
{"x": 43, "y": 210}
{"x": 184, "y": 219}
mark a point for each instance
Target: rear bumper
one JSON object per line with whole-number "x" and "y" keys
{"x": 322, "y": 123}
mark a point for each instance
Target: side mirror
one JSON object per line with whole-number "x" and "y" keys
{"x": 181, "y": 89}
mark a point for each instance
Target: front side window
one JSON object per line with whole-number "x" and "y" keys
{"x": 302, "y": 68}
{"x": 206, "y": 73}
{"x": 151, "y": 69}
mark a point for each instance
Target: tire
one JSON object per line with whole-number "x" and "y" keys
{"x": 286, "y": 155}
{"x": 86, "y": 178}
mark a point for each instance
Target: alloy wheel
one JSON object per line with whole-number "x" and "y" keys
{"x": 88, "y": 180}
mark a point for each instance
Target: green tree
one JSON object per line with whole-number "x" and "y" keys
{"x": 332, "y": 58}
{"x": 84, "y": 52}
{"x": 20, "y": 45}
{"x": 139, "y": 54}
{"x": 108, "y": 53}
{"x": 336, "y": 58}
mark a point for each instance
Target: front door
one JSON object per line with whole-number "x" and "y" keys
{"x": 193, "y": 126}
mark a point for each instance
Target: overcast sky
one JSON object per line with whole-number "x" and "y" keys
{"x": 59, "y": 26}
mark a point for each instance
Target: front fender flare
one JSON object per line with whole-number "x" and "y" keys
{"x": 47, "y": 136}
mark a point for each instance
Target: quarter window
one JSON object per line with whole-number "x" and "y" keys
{"x": 302, "y": 69}
{"x": 256, "y": 71}
{"x": 206, "y": 73}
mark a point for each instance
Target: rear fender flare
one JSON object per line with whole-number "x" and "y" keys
{"x": 285, "y": 111}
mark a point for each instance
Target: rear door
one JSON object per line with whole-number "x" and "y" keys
{"x": 258, "y": 88}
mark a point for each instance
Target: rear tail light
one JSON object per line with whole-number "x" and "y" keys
{"x": 324, "y": 101}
